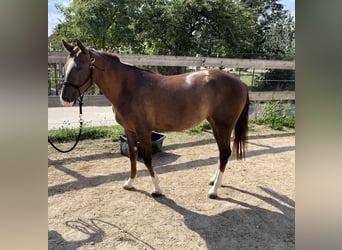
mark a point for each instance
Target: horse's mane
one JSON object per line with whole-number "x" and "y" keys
{"x": 115, "y": 58}
{"x": 111, "y": 56}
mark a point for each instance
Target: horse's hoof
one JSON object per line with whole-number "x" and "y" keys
{"x": 156, "y": 194}
{"x": 212, "y": 195}
{"x": 129, "y": 184}
{"x": 126, "y": 187}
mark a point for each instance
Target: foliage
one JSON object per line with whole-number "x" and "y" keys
{"x": 207, "y": 28}
{"x": 88, "y": 21}
{"x": 221, "y": 28}
{"x": 202, "y": 127}
{"x": 277, "y": 116}
{"x": 275, "y": 29}
{"x": 275, "y": 80}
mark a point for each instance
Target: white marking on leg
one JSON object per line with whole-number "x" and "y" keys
{"x": 155, "y": 181}
{"x": 212, "y": 180}
{"x": 218, "y": 182}
{"x": 129, "y": 183}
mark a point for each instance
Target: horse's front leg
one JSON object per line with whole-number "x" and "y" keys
{"x": 133, "y": 155}
{"x": 146, "y": 146}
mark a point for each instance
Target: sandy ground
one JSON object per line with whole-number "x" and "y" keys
{"x": 89, "y": 209}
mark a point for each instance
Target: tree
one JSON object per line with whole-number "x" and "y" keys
{"x": 275, "y": 39}
{"x": 98, "y": 23}
{"x": 280, "y": 39}
{"x": 233, "y": 29}
{"x": 221, "y": 28}
{"x": 209, "y": 28}
{"x": 88, "y": 20}
{"x": 275, "y": 29}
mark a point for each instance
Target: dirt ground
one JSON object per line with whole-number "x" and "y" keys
{"x": 89, "y": 209}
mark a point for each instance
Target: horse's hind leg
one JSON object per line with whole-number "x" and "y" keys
{"x": 133, "y": 155}
{"x": 146, "y": 146}
{"x": 222, "y": 136}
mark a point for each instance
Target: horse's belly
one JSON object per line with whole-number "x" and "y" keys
{"x": 178, "y": 121}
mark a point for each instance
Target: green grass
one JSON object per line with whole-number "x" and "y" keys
{"x": 67, "y": 135}
{"x": 113, "y": 132}
{"x": 246, "y": 79}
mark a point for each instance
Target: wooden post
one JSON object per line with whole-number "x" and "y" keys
{"x": 55, "y": 67}
{"x": 49, "y": 81}
{"x": 253, "y": 78}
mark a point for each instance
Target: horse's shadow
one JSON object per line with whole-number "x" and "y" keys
{"x": 250, "y": 227}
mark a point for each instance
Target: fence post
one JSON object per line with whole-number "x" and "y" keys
{"x": 252, "y": 85}
{"x": 55, "y": 66}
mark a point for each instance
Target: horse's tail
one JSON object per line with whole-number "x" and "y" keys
{"x": 240, "y": 133}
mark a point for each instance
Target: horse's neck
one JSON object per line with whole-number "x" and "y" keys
{"x": 109, "y": 81}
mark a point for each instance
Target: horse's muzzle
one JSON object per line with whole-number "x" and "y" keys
{"x": 68, "y": 96}
{"x": 66, "y": 101}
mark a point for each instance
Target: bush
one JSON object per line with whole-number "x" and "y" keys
{"x": 203, "y": 126}
{"x": 277, "y": 115}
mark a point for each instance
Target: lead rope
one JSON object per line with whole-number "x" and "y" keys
{"x": 80, "y": 103}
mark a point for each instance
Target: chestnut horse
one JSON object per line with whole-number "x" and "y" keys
{"x": 144, "y": 101}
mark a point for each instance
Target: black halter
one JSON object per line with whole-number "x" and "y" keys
{"x": 90, "y": 77}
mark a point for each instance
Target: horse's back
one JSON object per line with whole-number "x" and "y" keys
{"x": 203, "y": 80}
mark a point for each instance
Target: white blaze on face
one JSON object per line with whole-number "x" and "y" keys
{"x": 71, "y": 64}
{"x": 190, "y": 79}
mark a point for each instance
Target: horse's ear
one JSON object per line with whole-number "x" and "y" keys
{"x": 80, "y": 45}
{"x": 68, "y": 46}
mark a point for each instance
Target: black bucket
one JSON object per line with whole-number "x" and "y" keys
{"x": 157, "y": 144}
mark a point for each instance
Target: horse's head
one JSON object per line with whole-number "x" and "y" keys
{"x": 77, "y": 73}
